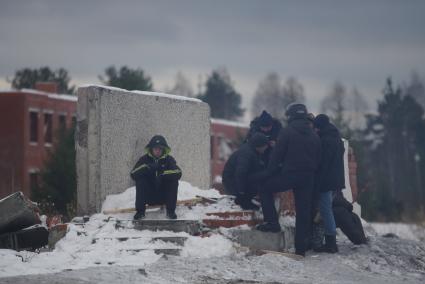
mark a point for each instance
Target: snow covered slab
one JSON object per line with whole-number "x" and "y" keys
{"x": 113, "y": 128}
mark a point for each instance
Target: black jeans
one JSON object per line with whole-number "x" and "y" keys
{"x": 302, "y": 184}
{"x": 153, "y": 193}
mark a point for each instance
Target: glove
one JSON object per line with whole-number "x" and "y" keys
{"x": 153, "y": 166}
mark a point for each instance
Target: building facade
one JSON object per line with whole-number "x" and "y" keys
{"x": 29, "y": 120}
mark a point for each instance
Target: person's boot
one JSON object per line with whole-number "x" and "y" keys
{"x": 139, "y": 215}
{"x": 268, "y": 227}
{"x": 247, "y": 204}
{"x": 171, "y": 215}
{"x": 329, "y": 246}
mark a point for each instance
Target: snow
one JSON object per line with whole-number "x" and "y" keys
{"x": 170, "y": 96}
{"x": 405, "y": 231}
{"x": 52, "y": 96}
{"x": 229, "y": 123}
{"x": 92, "y": 253}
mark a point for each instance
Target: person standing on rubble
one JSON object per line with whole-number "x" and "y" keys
{"x": 242, "y": 171}
{"x": 330, "y": 177}
{"x": 156, "y": 175}
{"x": 293, "y": 165}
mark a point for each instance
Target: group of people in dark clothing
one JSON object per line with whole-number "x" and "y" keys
{"x": 306, "y": 157}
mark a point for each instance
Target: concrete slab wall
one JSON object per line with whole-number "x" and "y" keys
{"x": 113, "y": 128}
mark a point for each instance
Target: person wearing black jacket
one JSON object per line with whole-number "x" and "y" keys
{"x": 330, "y": 177}
{"x": 293, "y": 165}
{"x": 156, "y": 174}
{"x": 268, "y": 126}
{"x": 243, "y": 171}
{"x": 345, "y": 219}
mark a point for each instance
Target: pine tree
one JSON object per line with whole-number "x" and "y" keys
{"x": 127, "y": 78}
{"x": 58, "y": 178}
{"x": 27, "y": 77}
{"x": 221, "y": 96}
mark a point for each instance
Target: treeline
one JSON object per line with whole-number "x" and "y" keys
{"x": 388, "y": 141}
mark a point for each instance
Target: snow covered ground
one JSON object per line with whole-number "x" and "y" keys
{"x": 92, "y": 253}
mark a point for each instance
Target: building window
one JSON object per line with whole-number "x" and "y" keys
{"x": 74, "y": 120}
{"x": 48, "y": 131}
{"x": 33, "y": 181}
{"x": 33, "y": 127}
{"x": 62, "y": 121}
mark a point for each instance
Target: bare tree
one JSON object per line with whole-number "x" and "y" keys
{"x": 182, "y": 86}
{"x": 359, "y": 107}
{"x": 335, "y": 105}
{"x": 293, "y": 91}
{"x": 273, "y": 97}
{"x": 416, "y": 88}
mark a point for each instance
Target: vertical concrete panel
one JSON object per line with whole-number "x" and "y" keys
{"x": 120, "y": 124}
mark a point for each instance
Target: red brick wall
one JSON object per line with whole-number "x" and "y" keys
{"x": 223, "y": 133}
{"x": 15, "y": 122}
{"x": 11, "y": 143}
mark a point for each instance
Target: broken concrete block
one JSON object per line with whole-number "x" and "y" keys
{"x": 30, "y": 238}
{"x": 257, "y": 240}
{"x": 109, "y": 142}
{"x": 17, "y": 212}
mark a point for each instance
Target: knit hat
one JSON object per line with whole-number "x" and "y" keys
{"x": 258, "y": 140}
{"x": 296, "y": 110}
{"x": 265, "y": 119}
{"x": 321, "y": 121}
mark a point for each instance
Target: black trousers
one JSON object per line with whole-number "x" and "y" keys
{"x": 302, "y": 184}
{"x": 150, "y": 192}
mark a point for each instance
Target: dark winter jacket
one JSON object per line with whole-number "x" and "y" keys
{"x": 254, "y": 127}
{"x": 242, "y": 169}
{"x": 349, "y": 223}
{"x": 163, "y": 168}
{"x": 297, "y": 149}
{"x": 331, "y": 169}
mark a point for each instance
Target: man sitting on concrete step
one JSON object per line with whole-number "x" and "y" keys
{"x": 156, "y": 175}
{"x": 243, "y": 170}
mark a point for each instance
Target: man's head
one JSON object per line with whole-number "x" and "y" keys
{"x": 157, "y": 151}
{"x": 296, "y": 110}
{"x": 265, "y": 121}
{"x": 259, "y": 141}
{"x": 321, "y": 121}
{"x": 158, "y": 146}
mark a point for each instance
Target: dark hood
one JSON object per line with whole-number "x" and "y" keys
{"x": 158, "y": 140}
{"x": 301, "y": 125}
{"x": 329, "y": 131}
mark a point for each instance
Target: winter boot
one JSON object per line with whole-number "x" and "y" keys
{"x": 139, "y": 215}
{"x": 171, "y": 215}
{"x": 329, "y": 246}
{"x": 269, "y": 227}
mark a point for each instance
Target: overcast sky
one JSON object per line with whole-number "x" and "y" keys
{"x": 357, "y": 42}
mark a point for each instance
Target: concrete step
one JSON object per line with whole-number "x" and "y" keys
{"x": 174, "y": 240}
{"x": 166, "y": 251}
{"x": 257, "y": 240}
{"x": 192, "y": 227}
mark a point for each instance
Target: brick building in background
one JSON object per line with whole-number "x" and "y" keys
{"x": 226, "y": 136}
{"x": 29, "y": 120}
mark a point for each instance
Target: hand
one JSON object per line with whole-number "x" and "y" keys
{"x": 153, "y": 166}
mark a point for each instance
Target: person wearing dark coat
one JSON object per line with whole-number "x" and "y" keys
{"x": 243, "y": 171}
{"x": 268, "y": 126}
{"x": 156, "y": 175}
{"x": 345, "y": 219}
{"x": 293, "y": 165}
{"x": 330, "y": 177}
